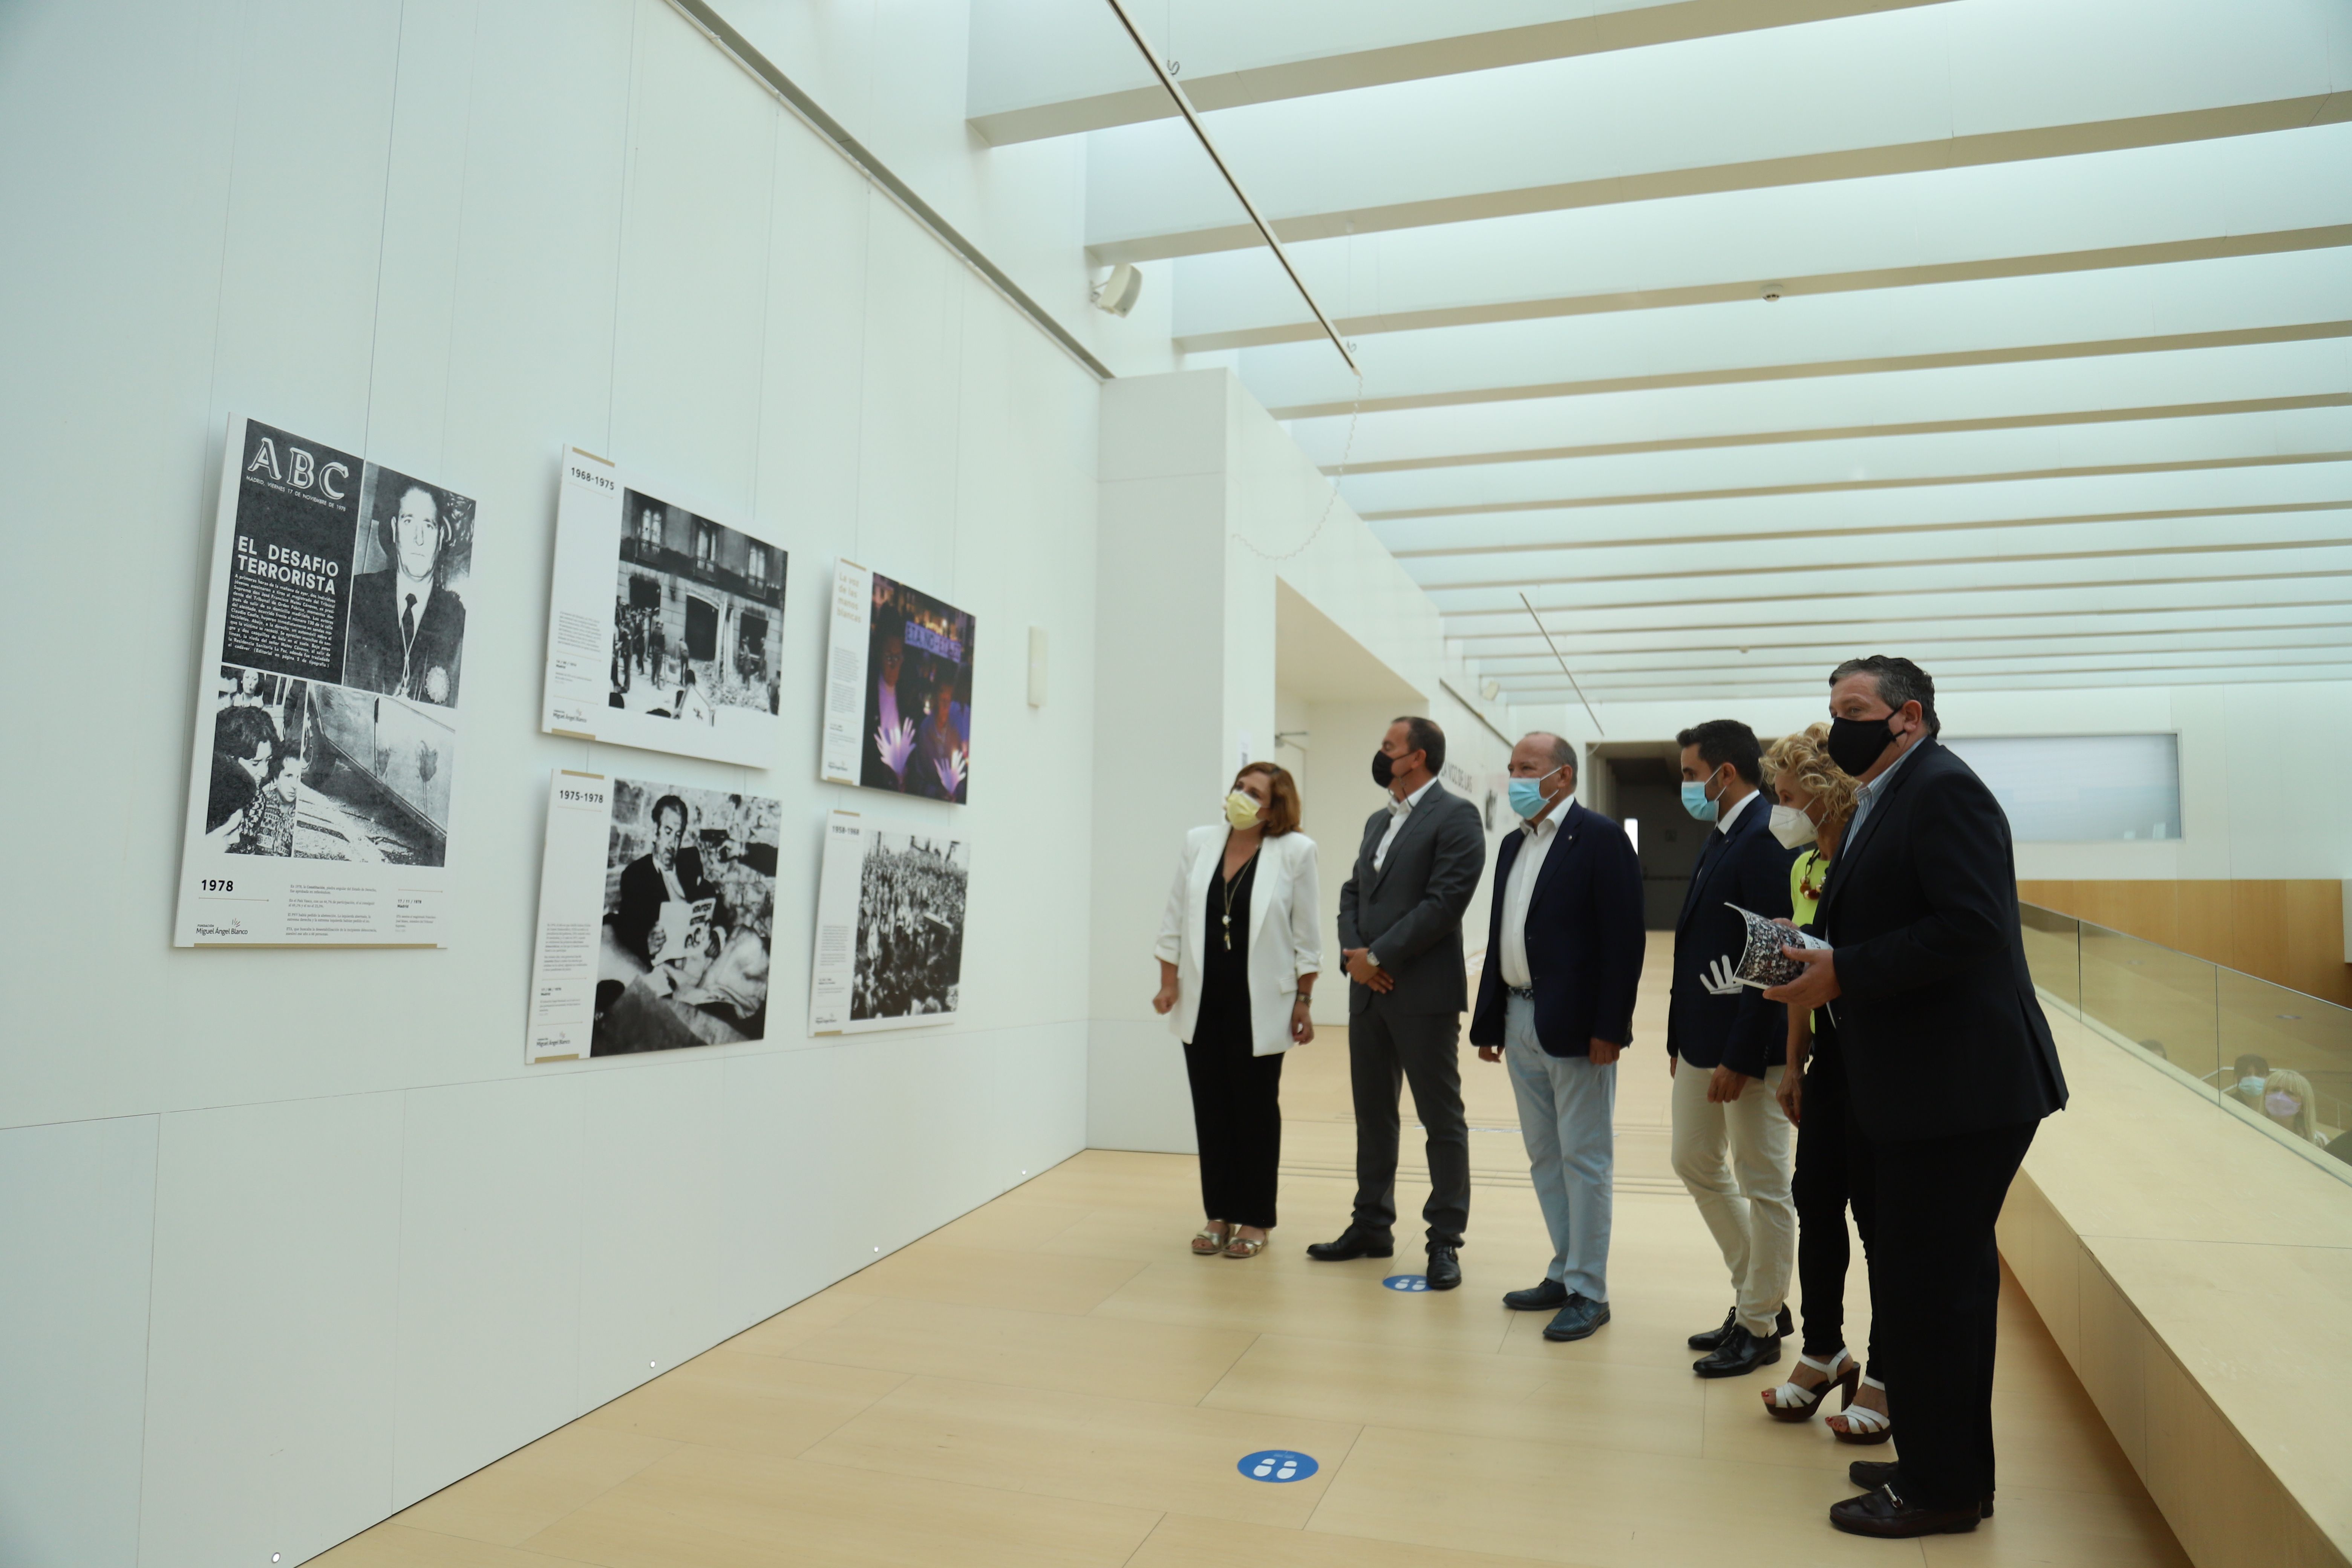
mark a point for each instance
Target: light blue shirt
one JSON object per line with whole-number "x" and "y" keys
{"x": 1867, "y": 797}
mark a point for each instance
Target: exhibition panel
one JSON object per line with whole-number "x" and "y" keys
{"x": 327, "y": 729}
{"x": 897, "y": 688}
{"x": 685, "y": 652}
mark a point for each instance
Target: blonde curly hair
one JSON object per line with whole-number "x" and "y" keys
{"x": 1806, "y": 755}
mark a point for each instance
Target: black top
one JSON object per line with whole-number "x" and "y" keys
{"x": 1938, "y": 1025}
{"x": 1225, "y": 968}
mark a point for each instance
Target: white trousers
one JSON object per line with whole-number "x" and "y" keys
{"x": 1567, "y": 1108}
{"x": 1734, "y": 1160}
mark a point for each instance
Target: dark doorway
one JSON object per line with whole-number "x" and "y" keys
{"x": 1647, "y": 791}
{"x": 645, "y": 592}
{"x": 701, "y": 628}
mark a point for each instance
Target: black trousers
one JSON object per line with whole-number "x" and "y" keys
{"x": 1834, "y": 1169}
{"x": 1237, "y": 1118}
{"x": 1937, "y": 1280}
{"x": 1385, "y": 1050}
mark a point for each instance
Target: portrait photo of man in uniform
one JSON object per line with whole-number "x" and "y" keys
{"x": 407, "y": 623}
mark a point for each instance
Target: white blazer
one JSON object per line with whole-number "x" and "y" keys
{"x": 1284, "y": 905}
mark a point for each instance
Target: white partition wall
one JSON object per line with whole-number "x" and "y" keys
{"x": 1235, "y": 600}
{"x": 289, "y": 1238}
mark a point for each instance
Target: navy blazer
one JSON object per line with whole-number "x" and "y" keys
{"x": 1583, "y": 933}
{"x": 1746, "y": 867}
{"x": 1939, "y": 1023}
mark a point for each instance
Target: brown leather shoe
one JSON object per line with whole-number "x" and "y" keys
{"x": 1884, "y": 1514}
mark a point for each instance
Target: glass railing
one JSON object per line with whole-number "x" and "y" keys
{"x": 2278, "y": 1060}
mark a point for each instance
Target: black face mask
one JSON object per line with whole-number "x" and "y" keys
{"x": 1855, "y": 743}
{"x": 1383, "y": 770}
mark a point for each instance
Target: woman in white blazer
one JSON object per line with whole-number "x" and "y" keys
{"x": 1238, "y": 956}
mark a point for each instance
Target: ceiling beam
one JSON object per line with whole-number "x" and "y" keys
{"x": 1848, "y": 432}
{"x": 1742, "y": 375}
{"x": 2185, "y": 465}
{"x": 1744, "y": 602}
{"x": 1226, "y": 74}
{"x": 2326, "y": 236}
{"x": 1977, "y": 150}
{"x": 1867, "y": 530}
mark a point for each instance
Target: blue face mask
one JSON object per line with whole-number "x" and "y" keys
{"x": 1696, "y": 801}
{"x": 1527, "y": 797}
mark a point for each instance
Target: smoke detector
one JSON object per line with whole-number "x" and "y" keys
{"x": 1115, "y": 294}
{"x": 1773, "y": 291}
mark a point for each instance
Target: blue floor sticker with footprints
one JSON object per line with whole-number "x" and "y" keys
{"x": 1407, "y": 1282}
{"x": 1278, "y": 1465}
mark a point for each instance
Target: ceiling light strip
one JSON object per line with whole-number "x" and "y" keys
{"x": 1264, "y": 229}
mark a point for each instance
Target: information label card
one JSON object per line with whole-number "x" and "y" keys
{"x": 327, "y": 702}
{"x": 666, "y": 629}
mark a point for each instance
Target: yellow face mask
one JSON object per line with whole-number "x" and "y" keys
{"x": 1241, "y": 811}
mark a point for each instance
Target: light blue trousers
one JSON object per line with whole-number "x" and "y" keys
{"x": 1567, "y": 1112}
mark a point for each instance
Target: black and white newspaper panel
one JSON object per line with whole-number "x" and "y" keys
{"x": 327, "y": 702}
{"x": 890, "y": 926}
{"x": 897, "y": 704}
{"x": 656, "y": 909}
{"x": 666, "y": 629}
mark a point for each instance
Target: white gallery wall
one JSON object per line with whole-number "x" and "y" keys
{"x": 2251, "y": 759}
{"x": 1228, "y": 569}
{"x": 292, "y": 1239}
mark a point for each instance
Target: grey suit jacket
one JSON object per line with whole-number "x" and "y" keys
{"x": 1409, "y": 911}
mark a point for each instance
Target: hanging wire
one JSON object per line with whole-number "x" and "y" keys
{"x": 1354, "y": 410}
{"x": 1563, "y": 667}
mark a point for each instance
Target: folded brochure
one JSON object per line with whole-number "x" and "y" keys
{"x": 1762, "y": 963}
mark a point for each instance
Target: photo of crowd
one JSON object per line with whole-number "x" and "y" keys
{"x": 917, "y": 736}
{"x": 317, "y": 773}
{"x": 910, "y": 915}
{"x": 689, "y": 905}
{"x": 698, "y": 616}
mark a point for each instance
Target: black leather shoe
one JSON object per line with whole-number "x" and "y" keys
{"x": 1783, "y": 1326}
{"x": 1871, "y": 1474}
{"x": 1444, "y": 1269}
{"x": 1884, "y": 1514}
{"x": 1577, "y": 1320}
{"x": 1353, "y": 1242}
{"x": 1549, "y": 1297}
{"x": 1740, "y": 1353}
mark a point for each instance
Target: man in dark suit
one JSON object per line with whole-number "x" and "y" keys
{"x": 670, "y": 873}
{"x": 1401, "y": 941}
{"x": 407, "y": 628}
{"x": 1950, "y": 1067}
{"x": 1731, "y": 1140}
{"x": 1556, "y": 999}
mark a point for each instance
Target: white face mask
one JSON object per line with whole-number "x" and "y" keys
{"x": 1793, "y": 827}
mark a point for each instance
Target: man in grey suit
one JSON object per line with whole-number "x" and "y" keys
{"x": 1401, "y": 941}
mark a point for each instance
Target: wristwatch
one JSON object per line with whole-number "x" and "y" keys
{"x": 1371, "y": 958}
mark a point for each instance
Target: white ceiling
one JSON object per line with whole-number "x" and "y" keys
{"x": 2058, "y": 390}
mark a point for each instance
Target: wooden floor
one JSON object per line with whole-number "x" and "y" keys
{"x": 1053, "y": 1380}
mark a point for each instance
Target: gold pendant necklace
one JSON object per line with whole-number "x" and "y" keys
{"x": 1230, "y": 882}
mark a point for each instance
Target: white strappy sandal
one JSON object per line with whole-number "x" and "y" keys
{"x": 1790, "y": 1403}
{"x": 1864, "y": 1425}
